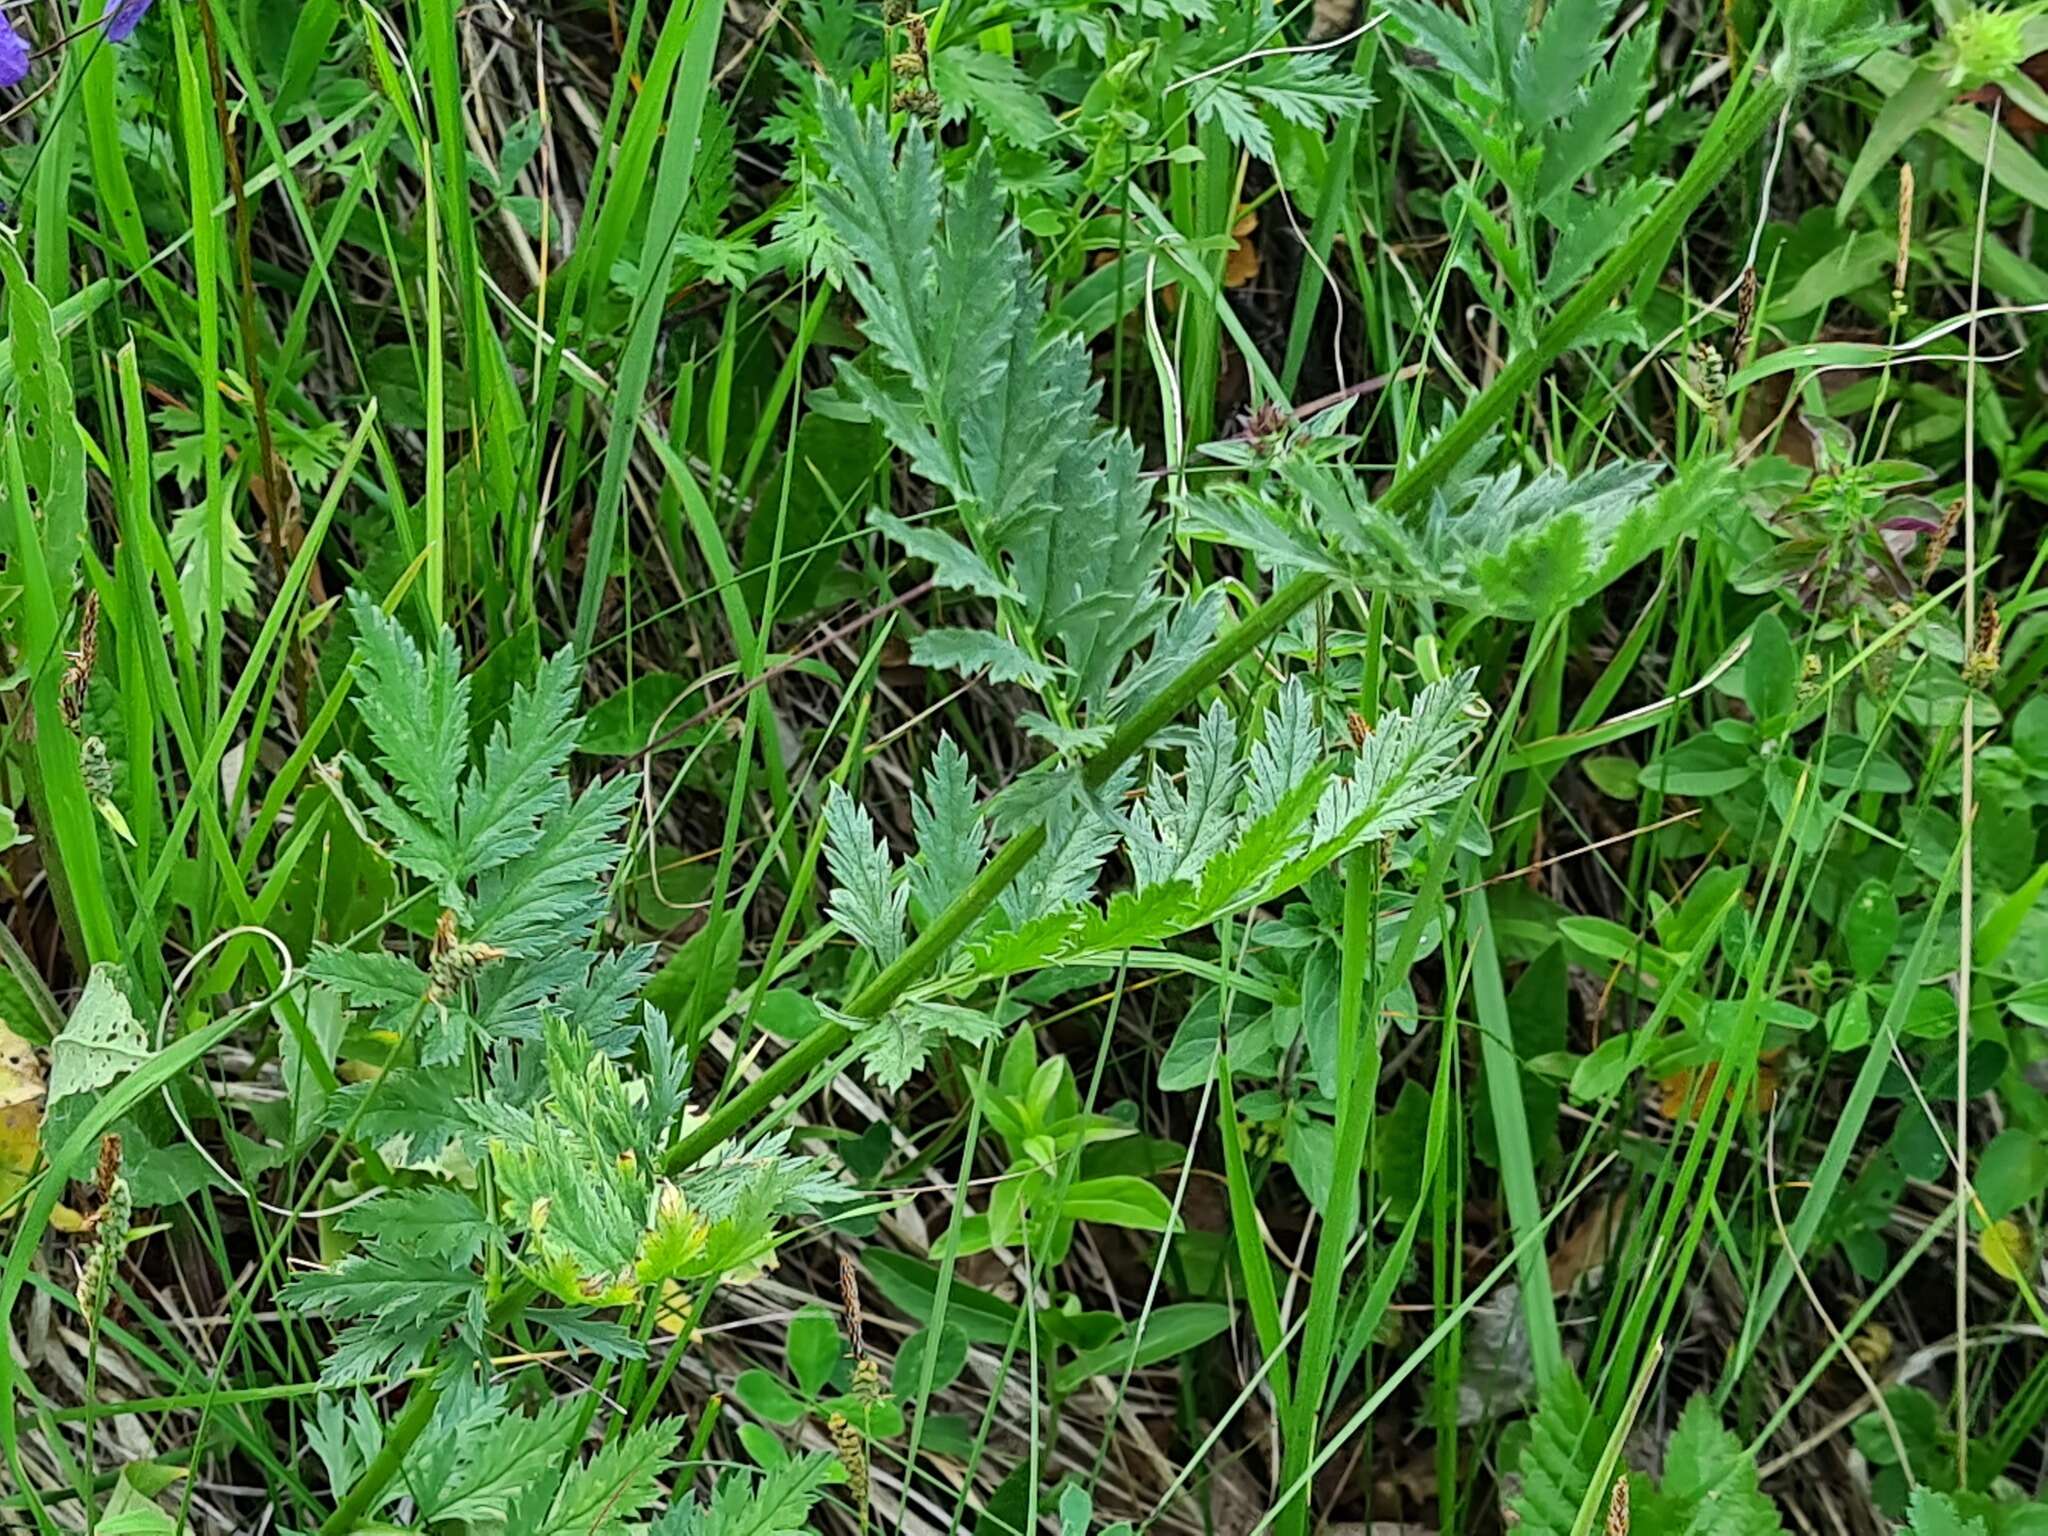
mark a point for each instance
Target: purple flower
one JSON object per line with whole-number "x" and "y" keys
{"x": 122, "y": 17}
{"x": 13, "y": 56}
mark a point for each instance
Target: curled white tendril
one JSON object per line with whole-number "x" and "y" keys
{"x": 289, "y": 980}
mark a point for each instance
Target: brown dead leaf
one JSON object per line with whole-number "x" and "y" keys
{"x": 1686, "y": 1093}
{"x": 1242, "y": 265}
{"x": 1331, "y": 18}
{"x": 1585, "y": 1249}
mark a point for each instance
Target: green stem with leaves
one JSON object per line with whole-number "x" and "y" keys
{"x": 1741, "y": 120}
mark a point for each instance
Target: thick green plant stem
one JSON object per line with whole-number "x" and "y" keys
{"x": 1741, "y": 120}
{"x": 916, "y": 961}
{"x": 377, "y": 1476}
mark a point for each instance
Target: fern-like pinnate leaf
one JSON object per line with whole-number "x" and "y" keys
{"x": 1709, "y": 1487}
{"x": 395, "y": 1305}
{"x": 515, "y": 857}
{"x": 1305, "y": 89}
{"x": 1221, "y": 829}
{"x": 1287, "y": 752}
{"x": 432, "y": 1221}
{"x": 1180, "y": 826}
{"x": 993, "y": 408}
{"x": 776, "y": 1502}
{"x": 952, "y": 835}
{"x": 968, "y": 651}
{"x": 1403, "y": 769}
{"x": 1557, "y": 1464}
{"x": 579, "y": 1187}
{"x": 553, "y": 895}
{"x": 504, "y": 803}
{"x": 868, "y": 900}
{"x": 606, "y": 1494}
{"x": 1496, "y": 544}
{"x": 478, "y": 1460}
{"x": 896, "y": 1046}
{"x": 415, "y": 706}
{"x": 1937, "y": 1514}
{"x": 953, "y": 564}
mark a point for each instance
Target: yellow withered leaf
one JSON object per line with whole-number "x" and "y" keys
{"x": 21, "y": 1115}
{"x": 2005, "y": 1248}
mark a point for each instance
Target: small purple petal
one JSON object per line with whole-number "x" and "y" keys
{"x": 122, "y": 18}
{"x": 13, "y": 56}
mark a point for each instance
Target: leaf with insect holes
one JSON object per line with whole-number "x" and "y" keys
{"x": 44, "y": 427}
{"x": 101, "y": 1041}
{"x": 868, "y": 901}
